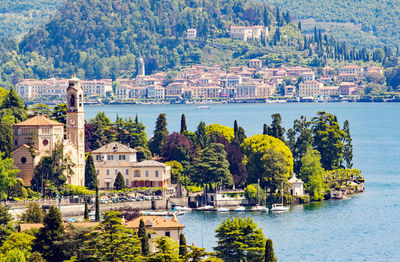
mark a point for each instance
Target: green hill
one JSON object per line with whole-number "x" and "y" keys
{"x": 368, "y": 23}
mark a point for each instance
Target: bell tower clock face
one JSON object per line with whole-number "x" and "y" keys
{"x": 72, "y": 121}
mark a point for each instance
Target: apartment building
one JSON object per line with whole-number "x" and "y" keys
{"x": 310, "y": 88}
{"x": 246, "y": 33}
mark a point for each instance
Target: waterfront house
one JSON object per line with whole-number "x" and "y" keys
{"x": 297, "y": 184}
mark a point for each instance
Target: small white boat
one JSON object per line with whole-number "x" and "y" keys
{"x": 205, "y": 208}
{"x": 258, "y": 208}
{"x": 180, "y": 208}
{"x": 202, "y": 107}
{"x": 279, "y": 208}
{"x": 240, "y": 209}
{"x": 222, "y": 209}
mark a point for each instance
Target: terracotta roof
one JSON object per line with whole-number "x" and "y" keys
{"x": 28, "y": 226}
{"x": 39, "y": 121}
{"x": 147, "y": 163}
{"x": 154, "y": 222}
{"x": 114, "y": 147}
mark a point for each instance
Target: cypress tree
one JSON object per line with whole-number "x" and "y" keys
{"x": 183, "y": 123}
{"x": 269, "y": 252}
{"x": 202, "y": 138}
{"x": 90, "y": 173}
{"x": 235, "y": 127}
{"x": 143, "y": 239}
{"x": 160, "y": 133}
{"x": 86, "y": 214}
{"x": 97, "y": 204}
{"x": 348, "y": 147}
{"x": 265, "y": 129}
{"x": 182, "y": 245}
{"x": 119, "y": 183}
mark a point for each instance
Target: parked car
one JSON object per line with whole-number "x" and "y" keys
{"x": 147, "y": 197}
{"x": 139, "y": 198}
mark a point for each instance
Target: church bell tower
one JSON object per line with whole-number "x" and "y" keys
{"x": 76, "y": 128}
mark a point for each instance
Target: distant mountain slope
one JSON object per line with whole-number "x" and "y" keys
{"x": 376, "y": 18}
{"x": 17, "y": 17}
{"x": 100, "y": 35}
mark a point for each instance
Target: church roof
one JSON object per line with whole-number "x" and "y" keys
{"x": 114, "y": 147}
{"x": 39, "y": 121}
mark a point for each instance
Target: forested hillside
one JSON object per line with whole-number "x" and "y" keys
{"x": 17, "y": 17}
{"x": 375, "y": 22}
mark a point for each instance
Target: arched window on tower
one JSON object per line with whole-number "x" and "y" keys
{"x": 80, "y": 100}
{"x": 72, "y": 100}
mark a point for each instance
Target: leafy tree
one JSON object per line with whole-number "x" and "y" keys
{"x": 269, "y": 160}
{"x": 128, "y": 213}
{"x": 14, "y": 104}
{"x": 6, "y": 138}
{"x": 182, "y": 246}
{"x": 40, "y": 109}
{"x": 15, "y": 255}
{"x": 100, "y": 131}
{"x": 90, "y": 173}
{"x": 119, "y": 183}
{"x": 176, "y": 171}
{"x": 299, "y": 139}
{"x": 5, "y": 223}
{"x": 183, "y": 124}
{"x": 276, "y": 129}
{"x": 255, "y": 194}
{"x": 72, "y": 245}
{"x": 220, "y": 130}
{"x": 142, "y": 153}
{"x": 328, "y": 139}
{"x": 47, "y": 239}
{"x": 111, "y": 241}
{"x": 160, "y": 133}
{"x": 197, "y": 254}
{"x": 212, "y": 167}
{"x": 86, "y": 213}
{"x": 167, "y": 250}
{"x": 36, "y": 257}
{"x": 269, "y": 252}
{"x": 173, "y": 144}
{"x": 144, "y": 240}
{"x": 239, "y": 239}
{"x": 34, "y": 214}
{"x": 19, "y": 241}
{"x": 348, "y": 147}
{"x": 59, "y": 113}
{"x": 240, "y": 135}
{"x": 139, "y": 136}
{"x": 312, "y": 173}
{"x": 202, "y": 139}
{"x": 17, "y": 190}
{"x": 8, "y": 175}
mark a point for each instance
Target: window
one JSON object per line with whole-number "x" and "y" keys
{"x": 98, "y": 157}
{"x": 98, "y": 172}
{"x": 126, "y": 171}
{"x": 156, "y": 173}
{"x": 110, "y": 157}
{"x": 45, "y": 142}
{"x": 127, "y": 182}
{"x": 149, "y": 236}
{"x": 121, "y": 157}
{"x": 23, "y": 160}
{"x": 167, "y": 234}
{"x": 147, "y": 173}
{"x": 116, "y": 172}
{"x": 108, "y": 172}
{"x": 137, "y": 173}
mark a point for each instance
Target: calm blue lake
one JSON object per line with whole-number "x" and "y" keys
{"x": 363, "y": 228}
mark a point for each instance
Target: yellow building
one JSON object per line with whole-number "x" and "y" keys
{"x": 38, "y": 136}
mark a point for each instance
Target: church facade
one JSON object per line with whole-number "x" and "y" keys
{"x": 38, "y": 136}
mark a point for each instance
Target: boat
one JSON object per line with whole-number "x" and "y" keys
{"x": 222, "y": 209}
{"x": 202, "y": 107}
{"x": 240, "y": 209}
{"x": 258, "y": 208}
{"x": 205, "y": 208}
{"x": 279, "y": 207}
{"x": 185, "y": 209}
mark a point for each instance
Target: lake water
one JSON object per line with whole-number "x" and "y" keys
{"x": 363, "y": 228}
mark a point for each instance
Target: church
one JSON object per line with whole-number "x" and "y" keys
{"x": 37, "y": 137}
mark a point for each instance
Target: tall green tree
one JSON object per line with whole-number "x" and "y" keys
{"x": 20, "y": 241}
{"x": 240, "y": 239}
{"x": 144, "y": 240}
{"x": 59, "y": 113}
{"x": 160, "y": 133}
{"x": 276, "y": 129}
{"x": 119, "y": 183}
{"x": 167, "y": 250}
{"x": 47, "y": 239}
{"x": 182, "y": 246}
{"x": 6, "y": 131}
{"x": 90, "y": 173}
{"x": 202, "y": 138}
{"x": 112, "y": 241}
{"x": 328, "y": 139}
{"x": 312, "y": 173}
{"x": 97, "y": 204}
{"x": 5, "y": 223}
{"x": 212, "y": 167}
{"x": 142, "y": 153}
{"x": 269, "y": 252}
{"x": 86, "y": 212}
{"x": 183, "y": 124}
{"x": 13, "y": 103}
{"x": 348, "y": 147}
{"x": 8, "y": 174}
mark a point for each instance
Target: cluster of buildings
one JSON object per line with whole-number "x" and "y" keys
{"x": 199, "y": 82}
{"x": 37, "y": 137}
